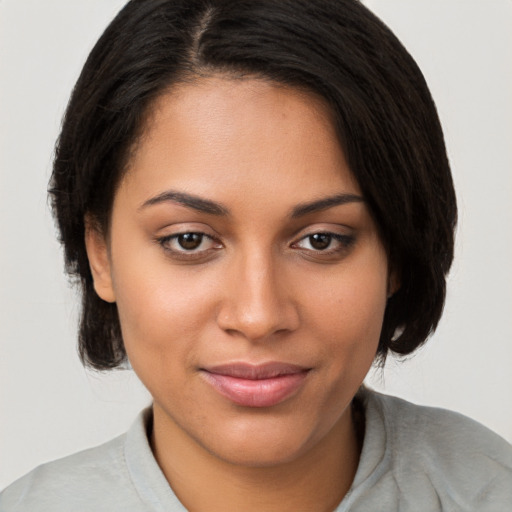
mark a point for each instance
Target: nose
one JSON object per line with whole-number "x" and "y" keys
{"x": 257, "y": 303}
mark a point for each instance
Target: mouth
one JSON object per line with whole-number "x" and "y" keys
{"x": 251, "y": 385}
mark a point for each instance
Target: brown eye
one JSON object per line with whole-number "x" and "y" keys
{"x": 189, "y": 244}
{"x": 190, "y": 241}
{"x": 320, "y": 241}
{"x": 326, "y": 244}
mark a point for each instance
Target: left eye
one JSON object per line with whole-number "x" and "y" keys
{"x": 325, "y": 242}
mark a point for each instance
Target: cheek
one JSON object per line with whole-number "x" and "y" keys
{"x": 346, "y": 311}
{"x": 161, "y": 312}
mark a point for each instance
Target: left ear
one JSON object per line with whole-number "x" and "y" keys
{"x": 99, "y": 261}
{"x": 393, "y": 283}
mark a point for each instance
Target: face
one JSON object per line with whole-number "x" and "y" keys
{"x": 248, "y": 273}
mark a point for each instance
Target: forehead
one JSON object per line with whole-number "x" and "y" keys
{"x": 220, "y": 135}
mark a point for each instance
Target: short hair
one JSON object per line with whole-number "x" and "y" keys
{"x": 383, "y": 112}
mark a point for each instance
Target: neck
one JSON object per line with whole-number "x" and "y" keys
{"x": 316, "y": 480}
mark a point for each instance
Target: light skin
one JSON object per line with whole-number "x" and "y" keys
{"x": 282, "y": 263}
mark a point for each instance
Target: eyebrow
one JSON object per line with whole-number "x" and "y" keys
{"x": 188, "y": 200}
{"x": 213, "y": 208}
{"x": 324, "y": 203}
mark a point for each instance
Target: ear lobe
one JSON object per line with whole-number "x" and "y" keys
{"x": 99, "y": 261}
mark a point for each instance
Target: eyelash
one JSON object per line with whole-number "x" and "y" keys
{"x": 166, "y": 241}
{"x": 345, "y": 242}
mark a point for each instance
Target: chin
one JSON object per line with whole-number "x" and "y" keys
{"x": 263, "y": 454}
{"x": 259, "y": 443}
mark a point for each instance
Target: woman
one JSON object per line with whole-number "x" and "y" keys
{"x": 257, "y": 201}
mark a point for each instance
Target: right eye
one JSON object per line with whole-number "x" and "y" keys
{"x": 189, "y": 241}
{"x": 188, "y": 244}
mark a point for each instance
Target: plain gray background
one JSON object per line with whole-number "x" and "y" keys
{"x": 50, "y": 406}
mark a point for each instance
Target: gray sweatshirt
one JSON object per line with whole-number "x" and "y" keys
{"x": 414, "y": 458}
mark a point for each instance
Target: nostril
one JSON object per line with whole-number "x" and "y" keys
{"x": 255, "y": 302}
{"x": 258, "y": 325}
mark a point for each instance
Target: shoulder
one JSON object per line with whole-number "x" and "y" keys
{"x": 94, "y": 479}
{"x": 417, "y": 425}
{"x": 458, "y": 458}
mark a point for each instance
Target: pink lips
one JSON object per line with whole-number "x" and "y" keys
{"x": 256, "y": 385}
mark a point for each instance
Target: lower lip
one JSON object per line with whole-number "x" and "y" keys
{"x": 256, "y": 393}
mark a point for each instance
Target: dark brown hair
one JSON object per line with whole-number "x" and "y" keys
{"x": 384, "y": 114}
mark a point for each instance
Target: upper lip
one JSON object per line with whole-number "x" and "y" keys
{"x": 251, "y": 371}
